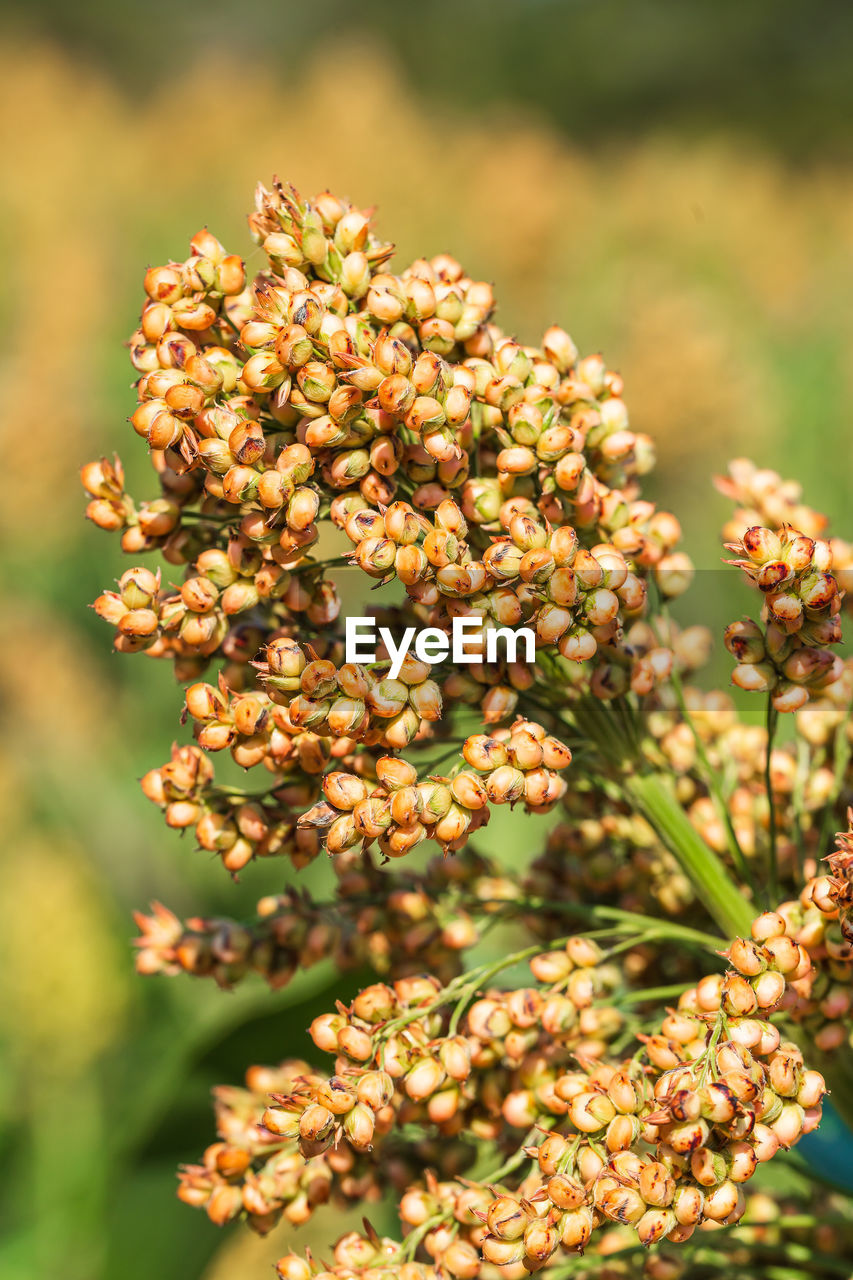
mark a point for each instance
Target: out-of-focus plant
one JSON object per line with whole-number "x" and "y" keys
{"x": 328, "y": 418}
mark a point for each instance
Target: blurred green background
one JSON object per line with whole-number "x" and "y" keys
{"x": 672, "y": 182}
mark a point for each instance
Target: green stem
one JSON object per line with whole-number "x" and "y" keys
{"x": 479, "y": 978}
{"x": 712, "y": 782}
{"x": 653, "y": 795}
{"x": 335, "y": 562}
{"x": 204, "y": 518}
{"x": 518, "y": 1158}
{"x": 612, "y": 920}
{"x": 798, "y": 802}
{"x": 773, "y": 868}
{"x": 460, "y": 988}
{"x": 720, "y": 1024}
{"x": 624, "y": 919}
{"x": 711, "y": 777}
{"x": 583, "y": 1265}
{"x": 655, "y": 994}
{"x": 227, "y": 319}
{"x": 409, "y": 1246}
{"x": 842, "y": 752}
{"x": 837, "y": 1070}
{"x": 634, "y": 940}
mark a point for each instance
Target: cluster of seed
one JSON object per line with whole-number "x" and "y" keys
{"x": 249, "y": 1172}
{"x": 508, "y": 766}
{"x": 762, "y": 497}
{"x": 422, "y": 348}
{"x": 801, "y": 786}
{"x": 109, "y": 507}
{"x": 204, "y": 431}
{"x": 772, "y": 1234}
{"x": 604, "y": 854}
{"x": 328, "y": 384}
{"x": 497, "y": 481}
{"x": 368, "y": 1255}
{"x": 207, "y": 616}
{"x": 148, "y": 619}
{"x": 400, "y": 1062}
{"x": 820, "y": 1001}
{"x": 350, "y": 701}
{"x": 253, "y": 1173}
{"x": 227, "y": 823}
{"x": 819, "y": 920}
{"x": 533, "y": 574}
{"x": 662, "y": 1143}
{"x": 577, "y": 594}
{"x": 788, "y": 655}
{"x": 646, "y": 656}
{"x": 186, "y": 295}
{"x": 841, "y": 880}
{"x": 825, "y": 725}
{"x": 368, "y": 704}
{"x": 575, "y": 598}
{"x": 390, "y": 922}
{"x": 400, "y": 542}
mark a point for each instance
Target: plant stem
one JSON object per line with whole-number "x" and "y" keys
{"x": 409, "y": 1246}
{"x": 654, "y": 993}
{"x": 720, "y": 1023}
{"x": 335, "y": 562}
{"x": 798, "y": 802}
{"x": 481, "y": 976}
{"x": 773, "y": 869}
{"x": 712, "y": 782}
{"x": 653, "y": 795}
{"x": 625, "y": 919}
{"x": 520, "y": 1155}
{"x": 460, "y": 988}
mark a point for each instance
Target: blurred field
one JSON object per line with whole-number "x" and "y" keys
{"x": 714, "y": 275}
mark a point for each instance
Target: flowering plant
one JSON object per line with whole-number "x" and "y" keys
{"x": 329, "y": 421}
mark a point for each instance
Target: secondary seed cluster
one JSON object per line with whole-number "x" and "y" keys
{"x": 840, "y": 888}
{"x": 248, "y": 1171}
{"x": 226, "y": 822}
{"x": 662, "y": 1142}
{"x": 521, "y": 763}
{"x": 800, "y": 612}
{"x": 576, "y": 598}
{"x": 388, "y": 921}
{"x": 350, "y": 701}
